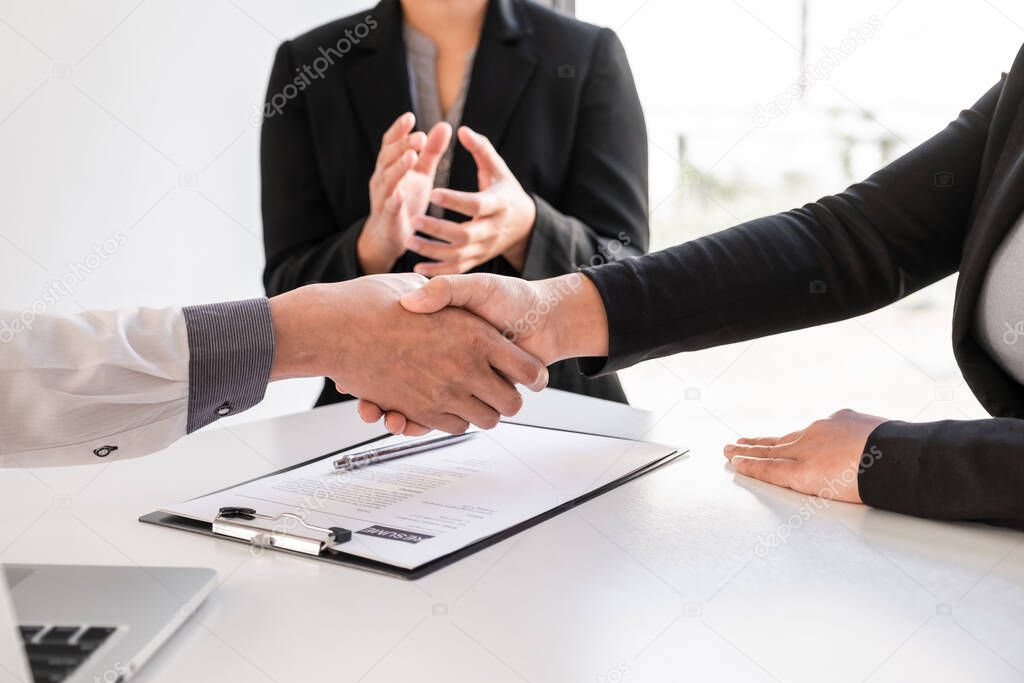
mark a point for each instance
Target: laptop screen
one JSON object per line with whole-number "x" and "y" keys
{"x": 13, "y": 664}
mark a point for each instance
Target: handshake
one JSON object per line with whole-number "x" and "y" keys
{"x": 442, "y": 354}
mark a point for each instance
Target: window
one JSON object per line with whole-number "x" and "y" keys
{"x": 738, "y": 129}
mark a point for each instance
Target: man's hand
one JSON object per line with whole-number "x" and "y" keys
{"x": 552, "y": 319}
{"x": 399, "y": 190}
{"x": 444, "y": 370}
{"x": 822, "y": 460}
{"x": 501, "y": 217}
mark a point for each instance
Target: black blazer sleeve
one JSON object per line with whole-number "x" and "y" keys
{"x": 300, "y": 234}
{"x": 844, "y": 255}
{"x": 603, "y": 214}
{"x": 954, "y": 469}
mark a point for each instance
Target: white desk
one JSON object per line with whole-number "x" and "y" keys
{"x": 661, "y": 579}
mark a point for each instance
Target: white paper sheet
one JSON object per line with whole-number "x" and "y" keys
{"x": 412, "y": 510}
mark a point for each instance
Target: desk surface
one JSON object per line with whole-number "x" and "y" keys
{"x": 677, "y": 575}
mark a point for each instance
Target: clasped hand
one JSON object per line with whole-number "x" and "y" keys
{"x": 550, "y": 319}
{"x": 501, "y": 214}
{"x": 445, "y": 370}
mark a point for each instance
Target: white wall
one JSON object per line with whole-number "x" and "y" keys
{"x": 131, "y": 121}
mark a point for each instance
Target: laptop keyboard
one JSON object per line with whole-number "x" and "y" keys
{"x": 54, "y": 652}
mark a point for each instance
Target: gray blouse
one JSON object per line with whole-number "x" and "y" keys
{"x": 421, "y": 58}
{"x": 1000, "y": 317}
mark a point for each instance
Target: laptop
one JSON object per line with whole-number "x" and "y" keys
{"x": 81, "y": 624}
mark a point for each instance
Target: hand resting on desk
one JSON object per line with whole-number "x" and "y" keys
{"x": 823, "y": 460}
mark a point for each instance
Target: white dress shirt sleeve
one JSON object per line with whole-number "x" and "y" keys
{"x": 107, "y": 385}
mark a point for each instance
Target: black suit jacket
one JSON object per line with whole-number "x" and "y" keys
{"x": 944, "y": 206}
{"x": 554, "y": 95}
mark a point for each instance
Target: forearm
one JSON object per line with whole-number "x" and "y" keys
{"x": 771, "y": 275}
{"x": 839, "y": 257}
{"x": 954, "y": 469}
{"x": 374, "y": 253}
{"x": 578, "y": 326}
{"x": 750, "y": 281}
{"x": 108, "y": 385}
{"x": 516, "y": 253}
{"x": 807, "y": 267}
{"x": 296, "y": 316}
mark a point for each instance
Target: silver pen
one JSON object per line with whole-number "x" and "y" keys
{"x": 354, "y": 461}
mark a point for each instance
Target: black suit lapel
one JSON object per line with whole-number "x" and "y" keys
{"x": 504, "y": 63}
{"x": 379, "y": 83}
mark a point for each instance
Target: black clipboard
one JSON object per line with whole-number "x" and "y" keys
{"x": 330, "y": 554}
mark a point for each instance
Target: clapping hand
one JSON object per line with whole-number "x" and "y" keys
{"x": 399, "y": 190}
{"x": 501, "y": 217}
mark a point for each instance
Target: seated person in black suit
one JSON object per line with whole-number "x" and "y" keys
{"x": 528, "y": 124}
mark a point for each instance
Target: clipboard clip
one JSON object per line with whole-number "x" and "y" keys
{"x": 231, "y": 521}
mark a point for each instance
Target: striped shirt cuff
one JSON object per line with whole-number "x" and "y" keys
{"x": 231, "y": 351}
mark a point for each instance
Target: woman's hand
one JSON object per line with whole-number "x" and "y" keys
{"x": 824, "y": 459}
{"x": 399, "y": 190}
{"x": 501, "y": 217}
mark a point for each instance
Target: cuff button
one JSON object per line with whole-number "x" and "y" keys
{"x": 224, "y": 409}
